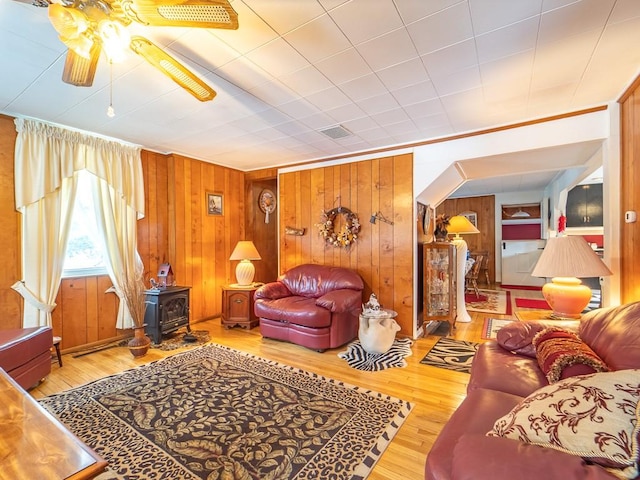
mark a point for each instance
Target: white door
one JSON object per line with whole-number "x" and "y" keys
{"x": 518, "y": 259}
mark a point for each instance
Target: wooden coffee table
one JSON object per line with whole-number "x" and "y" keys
{"x": 34, "y": 444}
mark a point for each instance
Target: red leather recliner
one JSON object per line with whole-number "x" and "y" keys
{"x": 315, "y": 306}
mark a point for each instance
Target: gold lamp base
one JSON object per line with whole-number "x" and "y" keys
{"x": 566, "y": 296}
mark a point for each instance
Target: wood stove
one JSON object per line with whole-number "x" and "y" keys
{"x": 167, "y": 311}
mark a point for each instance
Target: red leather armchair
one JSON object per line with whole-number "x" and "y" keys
{"x": 315, "y": 306}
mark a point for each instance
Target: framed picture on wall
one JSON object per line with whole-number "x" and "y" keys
{"x": 215, "y": 203}
{"x": 472, "y": 217}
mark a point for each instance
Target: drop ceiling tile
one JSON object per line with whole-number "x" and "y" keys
{"x": 565, "y": 61}
{"x": 445, "y": 28}
{"x": 284, "y": 15}
{"x": 278, "y": 58}
{"x": 573, "y": 19}
{"x": 244, "y": 74}
{"x": 403, "y": 74}
{"x": 299, "y": 108}
{"x": 413, "y": 10}
{"x": 458, "y": 82}
{"x": 513, "y": 69}
{"x": 306, "y": 81}
{"x": 624, "y": 10}
{"x": 396, "y": 115}
{"x": 507, "y": 41}
{"x": 388, "y": 50}
{"x": 382, "y": 17}
{"x": 415, "y": 93}
{"x": 328, "y": 99}
{"x": 358, "y": 124}
{"x": 344, "y": 66}
{"x": 331, "y": 4}
{"x": 346, "y": 113}
{"x": 378, "y": 104}
{"x": 424, "y": 109}
{"x": 490, "y": 15}
{"x": 363, "y": 87}
{"x": 252, "y": 31}
{"x": 318, "y": 121}
{"x": 451, "y": 59}
{"x": 211, "y": 53}
{"x": 318, "y": 39}
{"x": 273, "y": 93}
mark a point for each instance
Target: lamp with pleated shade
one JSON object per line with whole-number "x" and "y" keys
{"x": 245, "y": 251}
{"x": 565, "y": 260}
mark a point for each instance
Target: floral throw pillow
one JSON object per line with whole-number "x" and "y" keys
{"x": 592, "y": 416}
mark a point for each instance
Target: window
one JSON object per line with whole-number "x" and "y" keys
{"x": 84, "y": 255}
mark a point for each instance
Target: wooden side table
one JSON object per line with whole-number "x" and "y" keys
{"x": 237, "y": 306}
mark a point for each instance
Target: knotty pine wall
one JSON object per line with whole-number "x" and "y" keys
{"x": 176, "y": 229}
{"x": 629, "y": 193}
{"x": 383, "y": 254}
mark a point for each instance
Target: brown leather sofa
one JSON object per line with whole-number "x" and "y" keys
{"x": 315, "y": 306}
{"x": 25, "y": 354}
{"x": 503, "y": 373}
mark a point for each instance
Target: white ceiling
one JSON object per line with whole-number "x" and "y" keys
{"x": 392, "y": 72}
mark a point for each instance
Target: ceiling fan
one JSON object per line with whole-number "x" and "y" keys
{"x": 89, "y": 27}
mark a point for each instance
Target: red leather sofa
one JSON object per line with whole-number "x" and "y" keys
{"x": 503, "y": 373}
{"x": 25, "y": 354}
{"x": 315, "y": 306}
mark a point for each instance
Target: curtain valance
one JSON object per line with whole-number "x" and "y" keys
{"x": 46, "y": 154}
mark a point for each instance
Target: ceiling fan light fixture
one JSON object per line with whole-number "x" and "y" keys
{"x": 182, "y": 13}
{"x": 81, "y": 45}
{"x": 172, "y": 68}
{"x": 68, "y": 22}
{"x": 115, "y": 40}
{"x": 79, "y": 71}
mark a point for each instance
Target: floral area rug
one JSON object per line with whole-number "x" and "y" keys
{"x": 451, "y": 354}
{"x": 489, "y": 301}
{"x": 213, "y": 413}
{"x": 357, "y": 357}
{"x": 492, "y": 325}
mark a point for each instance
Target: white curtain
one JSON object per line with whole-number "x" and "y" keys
{"x": 46, "y": 158}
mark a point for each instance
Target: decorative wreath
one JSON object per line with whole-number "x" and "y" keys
{"x": 347, "y": 235}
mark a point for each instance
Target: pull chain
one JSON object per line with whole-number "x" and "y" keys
{"x": 110, "y": 111}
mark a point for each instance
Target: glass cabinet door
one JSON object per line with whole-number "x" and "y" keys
{"x": 440, "y": 282}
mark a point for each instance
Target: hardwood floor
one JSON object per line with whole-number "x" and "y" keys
{"x": 435, "y": 392}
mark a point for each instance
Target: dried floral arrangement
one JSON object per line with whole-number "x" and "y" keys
{"x": 348, "y": 233}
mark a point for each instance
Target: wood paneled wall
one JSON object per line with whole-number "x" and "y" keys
{"x": 176, "y": 229}
{"x": 383, "y": 254}
{"x": 484, "y": 206}
{"x": 629, "y": 193}
{"x": 10, "y": 300}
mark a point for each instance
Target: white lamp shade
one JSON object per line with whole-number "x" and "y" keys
{"x": 245, "y": 251}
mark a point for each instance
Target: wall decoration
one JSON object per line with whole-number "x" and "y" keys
{"x": 348, "y": 233}
{"x": 294, "y": 231}
{"x": 215, "y": 204}
{"x": 471, "y": 216}
{"x": 267, "y": 203}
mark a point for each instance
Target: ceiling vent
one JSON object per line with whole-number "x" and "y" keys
{"x": 336, "y": 132}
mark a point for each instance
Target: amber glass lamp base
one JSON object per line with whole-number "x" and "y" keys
{"x": 566, "y": 296}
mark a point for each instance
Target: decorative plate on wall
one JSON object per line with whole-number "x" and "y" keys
{"x": 267, "y": 203}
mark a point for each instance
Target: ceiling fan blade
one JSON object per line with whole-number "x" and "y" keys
{"x": 172, "y": 68}
{"x": 180, "y": 13}
{"x": 79, "y": 70}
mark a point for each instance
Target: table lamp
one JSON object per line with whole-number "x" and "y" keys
{"x": 460, "y": 225}
{"x": 245, "y": 251}
{"x": 564, "y": 259}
